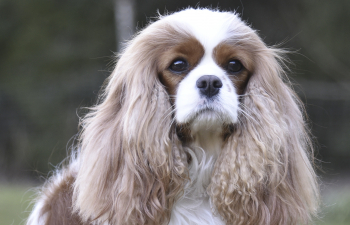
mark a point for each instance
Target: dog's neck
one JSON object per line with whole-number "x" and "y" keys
{"x": 204, "y": 150}
{"x": 208, "y": 138}
{"x": 194, "y": 206}
{"x": 209, "y": 141}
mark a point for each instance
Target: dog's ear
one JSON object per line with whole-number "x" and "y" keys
{"x": 131, "y": 162}
{"x": 264, "y": 174}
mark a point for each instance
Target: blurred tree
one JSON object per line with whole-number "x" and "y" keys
{"x": 13, "y": 137}
{"x": 53, "y": 57}
{"x": 124, "y": 20}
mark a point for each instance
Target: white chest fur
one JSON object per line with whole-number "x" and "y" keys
{"x": 194, "y": 206}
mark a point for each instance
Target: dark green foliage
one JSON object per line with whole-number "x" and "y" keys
{"x": 53, "y": 60}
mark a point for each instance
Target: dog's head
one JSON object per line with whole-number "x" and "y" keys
{"x": 206, "y": 71}
{"x": 188, "y": 72}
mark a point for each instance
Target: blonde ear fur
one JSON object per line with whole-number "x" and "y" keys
{"x": 132, "y": 164}
{"x": 264, "y": 174}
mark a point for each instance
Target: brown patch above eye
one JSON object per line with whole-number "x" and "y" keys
{"x": 190, "y": 50}
{"x": 224, "y": 53}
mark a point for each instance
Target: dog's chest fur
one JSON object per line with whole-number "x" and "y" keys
{"x": 194, "y": 206}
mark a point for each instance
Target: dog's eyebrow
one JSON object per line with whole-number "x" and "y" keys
{"x": 227, "y": 50}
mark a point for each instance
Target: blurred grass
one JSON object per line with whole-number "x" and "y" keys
{"x": 15, "y": 199}
{"x": 14, "y": 202}
{"x": 336, "y": 205}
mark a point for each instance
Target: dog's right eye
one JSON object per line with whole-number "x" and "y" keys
{"x": 179, "y": 65}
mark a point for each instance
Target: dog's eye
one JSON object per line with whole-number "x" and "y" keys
{"x": 179, "y": 65}
{"x": 234, "y": 66}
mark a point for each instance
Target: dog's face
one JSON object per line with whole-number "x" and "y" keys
{"x": 204, "y": 74}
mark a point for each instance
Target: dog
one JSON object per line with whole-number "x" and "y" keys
{"x": 197, "y": 125}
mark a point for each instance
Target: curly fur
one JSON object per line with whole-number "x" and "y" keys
{"x": 264, "y": 172}
{"x": 133, "y": 167}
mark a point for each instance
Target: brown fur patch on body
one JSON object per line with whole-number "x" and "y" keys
{"x": 58, "y": 201}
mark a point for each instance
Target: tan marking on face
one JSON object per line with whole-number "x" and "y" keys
{"x": 225, "y": 52}
{"x": 190, "y": 50}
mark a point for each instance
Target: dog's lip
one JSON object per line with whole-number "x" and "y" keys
{"x": 208, "y": 105}
{"x": 205, "y": 109}
{"x": 206, "y": 112}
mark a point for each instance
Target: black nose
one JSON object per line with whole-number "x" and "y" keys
{"x": 209, "y": 85}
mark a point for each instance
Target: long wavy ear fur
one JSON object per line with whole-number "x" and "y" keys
{"x": 264, "y": 174}
{"x": 131, "y": 163}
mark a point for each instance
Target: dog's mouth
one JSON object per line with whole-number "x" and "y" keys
{"x": 208, "y": 114}
{"x": 203, "y": 119}
{"x": 206, "y": 109}
{"x": 214, "y": 112}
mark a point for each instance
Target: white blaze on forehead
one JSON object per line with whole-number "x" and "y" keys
{"x": 209, "y": 27}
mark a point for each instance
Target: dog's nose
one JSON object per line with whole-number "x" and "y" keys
{"x": 209, "y": 85}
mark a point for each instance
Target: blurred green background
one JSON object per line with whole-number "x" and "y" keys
{"x": 55, "y": 55}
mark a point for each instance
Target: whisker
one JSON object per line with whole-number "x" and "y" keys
{"x": 168, "y": 113}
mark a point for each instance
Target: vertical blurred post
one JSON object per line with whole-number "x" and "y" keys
{"x": 124, "y": 20}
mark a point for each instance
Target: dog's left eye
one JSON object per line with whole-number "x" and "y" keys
{"x": 179, "y": 65}
{"x": 234, "y": 66}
